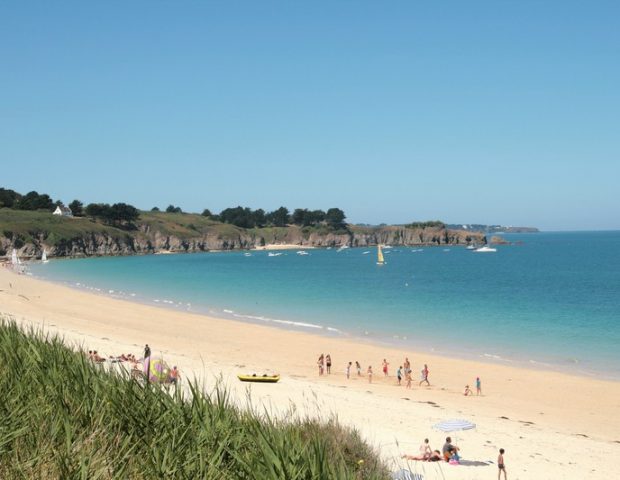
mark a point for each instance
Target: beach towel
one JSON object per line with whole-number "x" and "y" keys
{"x": 405, "y": 474}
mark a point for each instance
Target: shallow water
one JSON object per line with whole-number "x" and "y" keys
{"x": 552, "y": 301}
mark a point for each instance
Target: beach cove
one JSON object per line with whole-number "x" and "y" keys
{"x": 551, "y": 424}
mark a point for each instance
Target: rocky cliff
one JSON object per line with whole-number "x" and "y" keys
{"x": 147, "y": 239}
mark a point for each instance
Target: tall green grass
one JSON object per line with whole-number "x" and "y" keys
{"x": 62, "y": 417}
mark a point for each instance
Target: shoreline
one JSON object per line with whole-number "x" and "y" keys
{"x": 456, "y": 353}
{"x": 526, "y": 411}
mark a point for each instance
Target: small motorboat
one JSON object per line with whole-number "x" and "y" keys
{"x": 485, "y": 249}
{"x": 259, "y": 378}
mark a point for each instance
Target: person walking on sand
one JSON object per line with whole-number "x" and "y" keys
{"x": 369, "y": 373}
{"x": 328, "y": 363}
{"x": 501, "y": 465}
{"x": 408, "y": 378}
{"x": 359, "y": 368}
{"x": 399, "y": 374}
{"x": 407, "y": 364}
{"x": 478, "y": 386}
{"x": 424, "y": 376}
{"x": 349, "y": 370}
{"x": 320, "y": 364}
{"x": 385, "y": 367}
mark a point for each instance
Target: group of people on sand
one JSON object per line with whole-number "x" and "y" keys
{"x": 450, "y": 453}
{"x": 325, "y": 364}
{"x": 136, "y": 370}
{"x": 468, "y": 391}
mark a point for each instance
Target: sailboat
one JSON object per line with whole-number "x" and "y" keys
{"x": 380, "y": 260}
{"x": 44, "y": 257}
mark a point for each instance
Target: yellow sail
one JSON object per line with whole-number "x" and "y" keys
{"x": 380, "y": 260}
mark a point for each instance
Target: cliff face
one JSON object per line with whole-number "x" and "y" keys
{"x": 148, "y": 240}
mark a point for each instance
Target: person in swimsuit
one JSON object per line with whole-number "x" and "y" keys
{"x": 385, "y": 367}
{"x": 399, "y": 374}
{"x": 349, "y": 369}
{"x": 369, "y": 373}
{"x": 320, "y": 364}
{"x": 478, "y": 386}
{"x": 501, "y": 465}
{"x": 328, "y": 363}
{"x": 359, "y": 368}
{"x": 468, "y": 391}
{"x": 424, "y": 376}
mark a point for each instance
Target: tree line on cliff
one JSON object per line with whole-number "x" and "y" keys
{"x": 123, "y": 215}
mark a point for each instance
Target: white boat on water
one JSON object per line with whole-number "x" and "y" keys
{"x": 470, "y": 247}
{"x": 380, "y": 259}
{"x": 485, "y": 249}
{"x": 302, "y": 252}
{"x": 272, "y": 254}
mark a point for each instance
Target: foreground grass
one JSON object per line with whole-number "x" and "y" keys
{"x": 63, "y": 417}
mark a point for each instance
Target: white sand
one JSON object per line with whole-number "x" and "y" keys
{"x": 555, "y": 426}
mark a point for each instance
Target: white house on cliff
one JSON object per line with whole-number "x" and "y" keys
{"x": 64, "y": 211}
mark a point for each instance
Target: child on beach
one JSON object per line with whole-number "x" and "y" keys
{"x": 369, "y": 373}
{"x": 424, "y": 376}
{"x": 399, "y": 374}
{"x": 478, "y": 386}
{"x": 385, "y": 367}
{"x": 501, "y": 465}
{"x": 468, "y": 391}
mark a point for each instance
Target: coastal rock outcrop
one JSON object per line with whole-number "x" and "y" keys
{"x": 147, "y": 241}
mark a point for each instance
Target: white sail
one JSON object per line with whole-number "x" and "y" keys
{"x": 380, "y": 260}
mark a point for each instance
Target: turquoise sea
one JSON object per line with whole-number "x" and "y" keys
{"x": 552, "y": 301}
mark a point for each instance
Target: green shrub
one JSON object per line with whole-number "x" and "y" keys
{"x": 62, "y": 416}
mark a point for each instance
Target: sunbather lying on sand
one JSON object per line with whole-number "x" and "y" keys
{"x": 434, "y": 457}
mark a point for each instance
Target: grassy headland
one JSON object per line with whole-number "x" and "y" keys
{"x": 32, "y": 231}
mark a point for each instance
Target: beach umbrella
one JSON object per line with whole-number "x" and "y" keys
{"x": 159, "y": 371}
{"x": 454, "y": 425}
{"x": 405, "y": 474}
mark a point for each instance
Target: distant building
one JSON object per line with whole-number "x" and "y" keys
{"x": 64, "y": 211}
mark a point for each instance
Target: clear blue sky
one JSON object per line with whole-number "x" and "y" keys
{"x": 486, "y": 112}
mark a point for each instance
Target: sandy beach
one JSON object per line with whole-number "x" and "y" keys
{"x": 552, "y": 425}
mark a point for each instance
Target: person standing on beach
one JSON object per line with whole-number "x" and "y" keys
{"x": 501, "y": 465}
{"x": 359, "y": 368}
{"x": 478, "y": 386}
{"x": 399, "y": 374}
{"x": 328, "y": 363}
{"x": 385, "y": 367}
{"x": 320, "y": 364}
{"x": 349, "y": 369}
{"x": 147, "y": 351}
{"x": 408, "y": 378}
{"x": 424, "y": 376}
{"x": 369, "y": 373}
